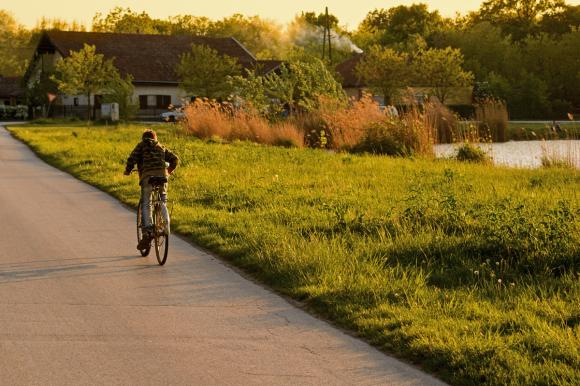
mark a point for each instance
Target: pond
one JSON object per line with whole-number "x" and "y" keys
{"x": 526, "y": 154}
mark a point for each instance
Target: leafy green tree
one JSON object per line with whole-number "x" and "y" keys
{"x": 307, "y": 37}
{"x": 252, "y": 90}
{"x": 121, "y": 91}
{"x": 124, "y": 20}
{"x": 299, "y": 84}
{"x": 56, "y": 24}
{"x": 398, "y": 24}
{"x": 385, "y": 71}
{"x": 261, "y": 37}
{"x": 15, "y": 47}
{"x": 563, "y": 22}
{"x": 85, "y": 72}
{"x": 484, "y": 48}
{"x": 518, "y": 18}
{"x": 526, "y": 95}
{"x": 442, "y": 71}
{"x": 320, "y": 20}
{"x": 191, "y": 25}
{"x": 204, "y": 72}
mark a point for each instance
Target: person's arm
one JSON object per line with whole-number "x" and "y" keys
{"x": 172, "y": 159}
{"x": 133, "y": 159}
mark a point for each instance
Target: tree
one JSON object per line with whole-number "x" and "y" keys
{"x": 308, "y": 37}
{"x": 518, "y": 18}
{"x": 384, "y": 71}
{"x": 299, "y": 84}
{"x": 85, "y": 72}
{"x": 252, "y": 90}
{"x": 191, "y": 25}
{"x": 398, "y": 24}
{"x": 562, "y": 22}
{"x": 204, "y": 72}
{"x": 121, "y": 91}
{"x": 321, "y": 19}
{"x": 124, "y": 20}
{"x": 441, "y": 69}
{"x": 261, "y": 37}
{"x": 15, "y": 47}
{"x": 484, "y": 48}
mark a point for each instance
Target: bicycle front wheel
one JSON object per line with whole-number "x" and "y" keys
{"x": 161, "y": 236}
{"x": 144, "y": 252}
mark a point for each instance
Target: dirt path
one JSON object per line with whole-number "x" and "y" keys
{"x": 77, "y": 306}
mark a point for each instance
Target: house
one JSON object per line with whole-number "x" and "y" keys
{"x": 11, "y": 91}
{"x": 354, "y": 87}
{"x": 150, "y": 59}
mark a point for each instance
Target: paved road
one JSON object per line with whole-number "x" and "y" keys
{"x": 77, "y": 306}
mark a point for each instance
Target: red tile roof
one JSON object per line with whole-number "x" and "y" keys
{"x": 149, "y": 58}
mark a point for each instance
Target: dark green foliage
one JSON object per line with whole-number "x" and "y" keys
{"x": 471, "y": 153}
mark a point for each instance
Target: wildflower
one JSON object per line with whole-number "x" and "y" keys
{"x": 476, "y": 272}
{"x": 499, "y": 281}
{"x": 512, "y": 284}
{"x": 570, "y": 116}
{"x": 497, "y": 263}
{"x": 275, "y": 177}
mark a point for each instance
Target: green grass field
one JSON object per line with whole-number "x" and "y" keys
{"x": 470, "y": 271}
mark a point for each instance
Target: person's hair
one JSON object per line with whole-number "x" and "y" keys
{"x": 149, "y": 134}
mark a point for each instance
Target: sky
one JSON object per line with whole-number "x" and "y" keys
{"x": 349, "y": 12}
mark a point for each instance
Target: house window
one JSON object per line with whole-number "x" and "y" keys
{"x": 154, "y": 101}
{"x": 151, "y": 101}
{"x": 142, "y": 102}
{"x": 98, "y": 101}
{"x": 75, "y": 101}
{"x": 163, "y": 101}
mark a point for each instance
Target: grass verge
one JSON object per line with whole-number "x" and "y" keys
{"x": 470, "y": 271}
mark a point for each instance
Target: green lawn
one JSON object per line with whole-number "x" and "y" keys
{"x": 471, "y": 271}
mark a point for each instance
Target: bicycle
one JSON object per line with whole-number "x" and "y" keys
{"x": 160, "y": 230}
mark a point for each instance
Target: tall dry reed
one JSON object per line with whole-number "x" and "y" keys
{"x": 346, "y": 125}
{"x": 206, "y": 119}
{"x": 493, "y": 119}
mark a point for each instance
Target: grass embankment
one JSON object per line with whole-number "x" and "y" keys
{"x": 471, "y": 271}
{"x": 531, "y": 131}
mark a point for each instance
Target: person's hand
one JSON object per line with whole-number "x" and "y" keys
{"x": 127, "y": 172}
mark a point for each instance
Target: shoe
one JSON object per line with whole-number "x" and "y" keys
{"x": 146, "y": 240}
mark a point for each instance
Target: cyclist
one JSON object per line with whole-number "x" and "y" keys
{"x": 152, "y": 159}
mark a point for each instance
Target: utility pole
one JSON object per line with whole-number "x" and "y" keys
{"x": 326, "y": 38}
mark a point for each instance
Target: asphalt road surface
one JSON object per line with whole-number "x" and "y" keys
{"x": 79, "y": 306}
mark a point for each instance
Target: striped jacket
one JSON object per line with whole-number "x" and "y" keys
{"x": 150, "y": 157}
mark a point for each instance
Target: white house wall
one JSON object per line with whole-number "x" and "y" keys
{"x": 175, "y": 92}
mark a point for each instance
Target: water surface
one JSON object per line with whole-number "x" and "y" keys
{"x": 525, "y": 154}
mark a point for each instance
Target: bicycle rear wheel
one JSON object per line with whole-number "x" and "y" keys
{"x": 144, "y": 252}
{"x": 161, "y": 237}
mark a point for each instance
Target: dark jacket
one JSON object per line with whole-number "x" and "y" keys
{"x": 150, "y": 157}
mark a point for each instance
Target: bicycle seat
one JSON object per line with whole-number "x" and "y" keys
{"x": 157, "y": 180}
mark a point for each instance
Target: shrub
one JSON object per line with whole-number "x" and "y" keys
{"x": 13, "y": 112}
{"x": 471, "y": 153}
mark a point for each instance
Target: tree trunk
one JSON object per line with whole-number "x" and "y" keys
{"x": 89, "y": 107}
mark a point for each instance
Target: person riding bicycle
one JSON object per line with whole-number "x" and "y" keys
{"x": 151, "y": 158}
